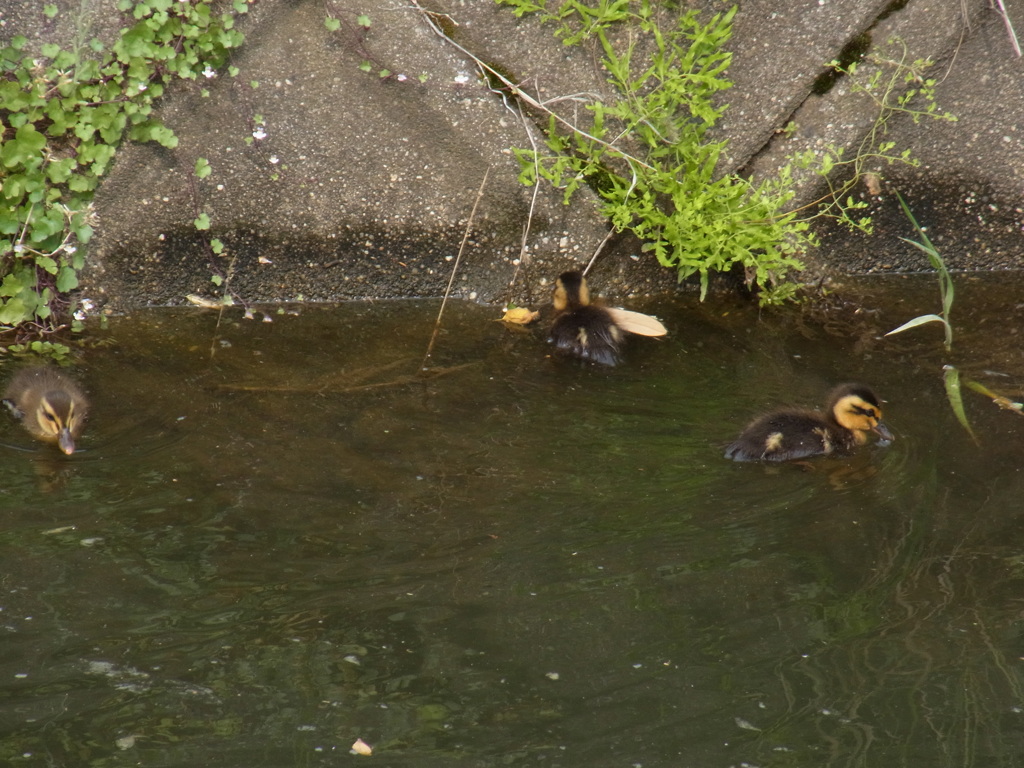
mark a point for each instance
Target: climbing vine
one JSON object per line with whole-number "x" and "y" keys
{"x": 63, "y": 113}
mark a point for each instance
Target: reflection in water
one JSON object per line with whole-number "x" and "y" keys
{"x": 263, "y": 554}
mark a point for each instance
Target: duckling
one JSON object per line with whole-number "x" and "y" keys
{"x": 49, "y": 405}
{"x": 852, "y": 412}
{"x": 580, "y": 328}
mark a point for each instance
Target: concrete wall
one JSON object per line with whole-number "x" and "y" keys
{"x": 362, "y": 185}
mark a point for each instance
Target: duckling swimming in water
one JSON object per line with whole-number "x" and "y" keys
{"x": 852, "y": 412}
{"x": 49, "y": 405}
{"x": 581, "y": 329}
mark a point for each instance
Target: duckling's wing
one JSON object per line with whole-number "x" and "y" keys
{"x": 637, "y": 322}
{"x": 781, "y": 437}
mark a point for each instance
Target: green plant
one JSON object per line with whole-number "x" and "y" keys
{"x": 946, "y": 290}
{"x": 63, "y": 113}
{"x": 954, "y": 394}
{"x": 649, "y": 158}
{"x": 950, "y": 374}
{"x": 59, "y": 353}
{"x": 894, "y": 86}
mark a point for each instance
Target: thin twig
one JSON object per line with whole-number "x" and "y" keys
{"x": 321, "y": 389}
{"x": 455, "y": 268}
{"x": 524, "y": 245}
{"x": 600, "y": 247}
{"x": 523, "y": 96}
{"x": 1001, "y": 10}
{"x": 520, "y": 93}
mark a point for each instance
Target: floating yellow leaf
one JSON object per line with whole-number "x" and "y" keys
{"x": 362, "y": 748}
{"x": 519, "y": 316}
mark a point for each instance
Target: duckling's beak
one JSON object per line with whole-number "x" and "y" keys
{"x": 65, "y": 441}
{"x": 884, "y": 435}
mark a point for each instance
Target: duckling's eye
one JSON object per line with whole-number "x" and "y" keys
{"x": 869, "y": 412}
{"x": 50, "y": 417}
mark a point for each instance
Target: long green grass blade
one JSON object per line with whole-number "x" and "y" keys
{"x": 946, "y": 290}
{"x": 916, "y": 322}
{"x": 951, "y": 377}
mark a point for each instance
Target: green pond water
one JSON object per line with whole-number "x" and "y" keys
{"x": 278, "y": 538}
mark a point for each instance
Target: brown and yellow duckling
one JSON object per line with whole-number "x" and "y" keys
{"x": 580, "y": 328}
{"x": 853, "y": 411}
{"x": 49, "y": 405}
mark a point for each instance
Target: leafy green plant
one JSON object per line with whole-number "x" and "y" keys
{"x": 63, "y": 114}
{"x": 59, "y": 353}
{"x": 649, "y": 158}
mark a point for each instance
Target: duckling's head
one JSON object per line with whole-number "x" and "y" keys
{"x": 571, "y": 291}
{"x": 58, "y": 418}
{"x": 855, "y": 407}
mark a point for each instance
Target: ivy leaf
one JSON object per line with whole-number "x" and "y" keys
{"x": 47, "y": 263}
{"x": 67, "y": 279}
{"x": 83, "y": 233}
{"x": 13, "y": 312}
{"x": 164, "y": 137}
{"x": 26, "y": 145}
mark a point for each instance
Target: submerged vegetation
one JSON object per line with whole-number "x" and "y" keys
{"x": 651, "y": 159}
{"x": 63, "y": 114}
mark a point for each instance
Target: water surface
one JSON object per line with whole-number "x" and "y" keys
{"x": 281, "y": 537}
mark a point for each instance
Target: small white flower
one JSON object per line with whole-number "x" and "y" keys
{"x": 19, "y": 248}
{"x": 462, "y": 79}
{"x": 274, "y": 160}
{"x": 142, "y": 87}
{"x": 401, "y": 78}
{"x": 209, "y": 72}
{"x": 69, "y": 249}
{"x": 259, "y": 133}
